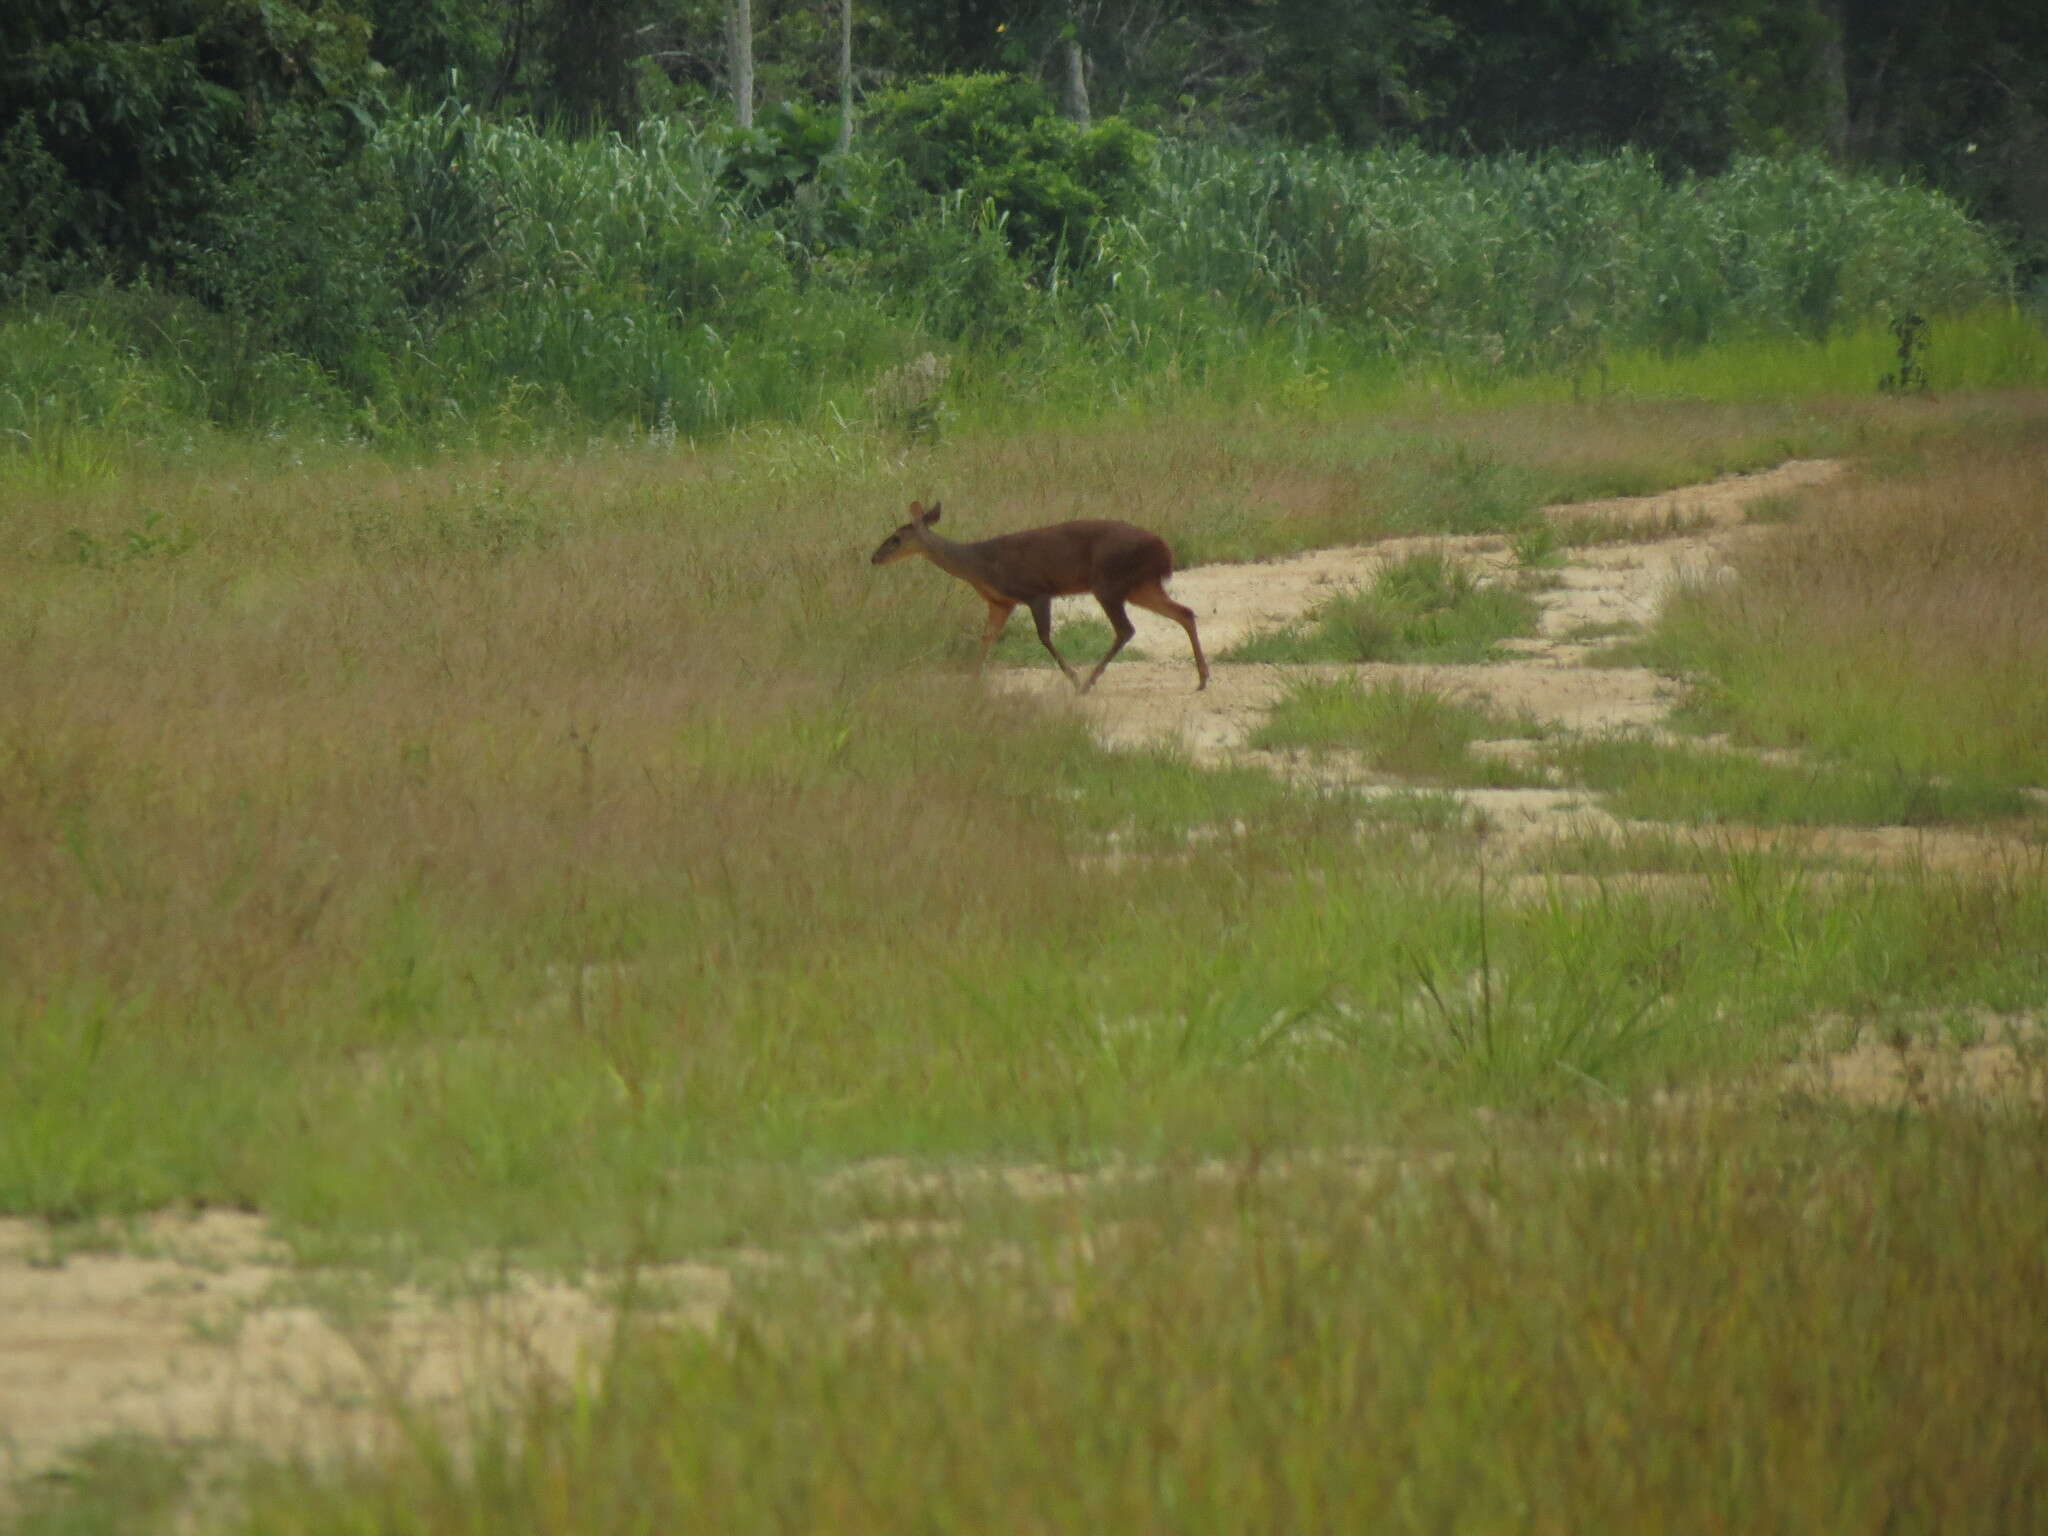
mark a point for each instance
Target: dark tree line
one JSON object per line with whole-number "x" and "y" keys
{"x": 119, "y": 118}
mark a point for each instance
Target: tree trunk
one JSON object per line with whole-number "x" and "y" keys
{"x": 739, "y": 58}
{"x": 1074, "y": 80}
{"x": 1831, "y": 80}
{"x": 845, "y": 75}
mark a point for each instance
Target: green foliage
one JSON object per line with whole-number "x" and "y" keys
{"x": 451, "y": 209}
{"x": 1426, "y": 607}
{"x": 1548, "y": 261}
{"x": 1397, "y": 728}
{"x": 304, "y": 255}
{"x": 1658, "y": 782}
{"x": 995, "y": 142}
{"x": 789, "y": 164}
{"x": 150, "y": 537}
{"x": 1909, "y": 377}
{"x": 36, "y": 202}
{"x": 94, "y": 371}
{"x": 459, "y": 278}
{"x": 149, "y": 108}
{"x": 787, "y": 146}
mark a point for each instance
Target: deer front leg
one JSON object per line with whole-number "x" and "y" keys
{"x": 998, "y": 616}
{"x": 1041, "y": 615}
{"x": 1120, "y": 625}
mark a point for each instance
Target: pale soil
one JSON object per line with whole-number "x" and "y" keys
{"x": 200, "y": 1329}
{"x": 1153, "y": 702}
{"x": 2006, "y": 1063}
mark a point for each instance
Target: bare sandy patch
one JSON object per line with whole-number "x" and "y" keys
{"x": 1724, "y": 502}
{"x": 1898, "y": 1068}
{"x": 1154, "y": 702}
{"x": 1605, "y": 587}
{"x": 198, "y": 1330}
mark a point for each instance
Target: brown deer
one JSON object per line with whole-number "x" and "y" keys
{"x": 1115, "y": 561}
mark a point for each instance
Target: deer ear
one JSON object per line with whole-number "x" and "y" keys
{"x": 933, "y": 515}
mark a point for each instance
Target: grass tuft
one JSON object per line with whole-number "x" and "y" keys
{"x": 1526, "y": 1333}
{"x": 1425, "y": 607}
{"x": 1662, "y": 782}
{"x": 1399, "y": 728}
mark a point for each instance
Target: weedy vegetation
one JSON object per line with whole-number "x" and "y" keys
{"x": 1401, "y": 728}
{"x": 492, "y": 814}
{"x": 1661, "y": 781}
{"x": 1424, "y": 607}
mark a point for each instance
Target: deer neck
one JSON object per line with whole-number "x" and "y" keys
{"x": 965, "y": 561}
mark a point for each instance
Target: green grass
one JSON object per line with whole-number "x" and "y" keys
{"x": 1996, "y": 347}
{"x": 1426, "y": 607}
{"x": 1661, "y": 782}
{"x": 122, "y": 1483}
{"x": 1398, "y": 728}
{"x": 1633, "y": 851}
{"x": 1082, "y": 641}
{"x": 1748, "y": 1319}
{"x": 579, "y": 861}
{"x": 1585, "y": 529}
{"x": 755, "y": 875}
{"x": 1896, "y": 626}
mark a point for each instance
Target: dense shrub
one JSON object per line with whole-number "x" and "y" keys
{"x": 995, "y": 140}
{"x": 453, "y": 271}
{"x": 1535, "y": 261}
{"x": 147, "y": 109}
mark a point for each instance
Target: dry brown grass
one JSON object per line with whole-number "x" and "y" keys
{"x": 246, "y": 710}
{"x": 572, "y": 858}
{"x": 1900, "y": 618}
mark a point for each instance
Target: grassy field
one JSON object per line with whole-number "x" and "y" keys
{"x": 589, "y": 861}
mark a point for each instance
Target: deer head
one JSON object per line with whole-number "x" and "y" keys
{"x": 909, "y": 539}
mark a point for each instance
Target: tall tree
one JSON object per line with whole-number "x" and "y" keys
{"x": 845, "y": 75}
{"x": 1958, "y": 90}
{"x": 739, "y": 59}
{"x": 143, "y": 108}
{"x": 1073, "y": 69}
{"x": 589, "y": 48}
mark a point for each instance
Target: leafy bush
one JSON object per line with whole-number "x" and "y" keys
{"x": 36, "y": 201}
{"x": 451, "y": 277}
{"x": 1545, "y": 261}
{"x": 152, "y": 106}
{"x": 994, "y": 140}
{"x": 304, "y": 255}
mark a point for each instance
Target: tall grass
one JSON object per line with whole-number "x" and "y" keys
{"x": 585, "y": 858}
{"x": 488, "y": 284}
{"x": 1732, "y": 1321}
{"x": 334, "y": 801}
{"x": 1549, "y": 262}
{"x": 1896, "y": 624}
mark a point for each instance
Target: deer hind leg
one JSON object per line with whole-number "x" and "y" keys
{"x": 998, "y": 616}
{"x": 1041, "y": 615}
{"x": 1152, "y": 597}
{"x": 1119, "y": 621}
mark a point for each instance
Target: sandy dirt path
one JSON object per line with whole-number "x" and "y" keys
{"x": 1153, "y": 702}
{"x": 196, "y": 1329}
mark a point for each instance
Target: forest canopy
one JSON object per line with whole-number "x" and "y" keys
{"x": 611, "y": 195}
